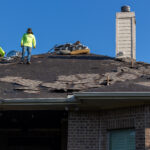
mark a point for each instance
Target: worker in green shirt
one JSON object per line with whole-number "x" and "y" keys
{"x": 27, "y": 42}
{"x": 2, "y": 53}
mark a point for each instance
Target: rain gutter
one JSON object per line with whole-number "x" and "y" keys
{"x": 112, "y": 95}
{"x": 38, "y": 101}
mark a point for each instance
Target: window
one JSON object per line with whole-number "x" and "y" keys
{"x": 122, "y": 139}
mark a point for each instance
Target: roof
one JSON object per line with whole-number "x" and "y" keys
{"x": 56, "y": 76}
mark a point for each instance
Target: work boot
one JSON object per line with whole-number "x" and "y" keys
{"x": 28, "y": 62}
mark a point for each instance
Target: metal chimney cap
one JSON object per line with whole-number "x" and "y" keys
{"x": 125, "y": 8}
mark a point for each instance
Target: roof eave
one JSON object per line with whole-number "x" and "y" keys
{"x": 112, "y": 95}
{"x": 37, "y": 103}
{"x": 81, "y": 100}
{"x": 111, "y": 100}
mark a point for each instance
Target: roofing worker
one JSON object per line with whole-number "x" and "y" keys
{"x": 27, "y": 42}
{"x": 2, "y": 53}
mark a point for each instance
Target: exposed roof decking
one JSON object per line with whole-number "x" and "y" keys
{"x": 52, "y": 76}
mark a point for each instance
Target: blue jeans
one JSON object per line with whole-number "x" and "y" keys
{"x": 24, "y": 48}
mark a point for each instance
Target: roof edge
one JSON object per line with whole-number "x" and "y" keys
{"x": 110, "y": 95}
{"x": 38, "y": 100}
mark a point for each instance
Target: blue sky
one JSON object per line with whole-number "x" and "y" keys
{"x": 60, "y": 21}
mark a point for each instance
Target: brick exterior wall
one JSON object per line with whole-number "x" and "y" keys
{"x": 89, "y": 130}
{"x": 83, "y": 131}
{"x": 147, "y": 128}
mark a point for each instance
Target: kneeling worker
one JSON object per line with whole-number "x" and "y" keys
{"x": 2, "y": 53}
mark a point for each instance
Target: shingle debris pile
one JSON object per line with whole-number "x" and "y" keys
{"x": 71, "y": 49}
{"x": 11, "y": 56}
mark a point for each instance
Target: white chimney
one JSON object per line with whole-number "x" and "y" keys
{"x": 125, "y": 33}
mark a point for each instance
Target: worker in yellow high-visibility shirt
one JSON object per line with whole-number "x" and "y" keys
{"x": 2, "y": 53}
{"x": 27, "y": 42}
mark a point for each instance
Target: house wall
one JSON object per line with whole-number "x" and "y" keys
{"x": 89, "y": 130}
{"x": 34, "y": 129}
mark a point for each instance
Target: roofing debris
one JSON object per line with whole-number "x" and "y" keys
{"x": 14, "y": 53}
{"x": 71, "y": 49}
{"x": 26, "y": 85}
{"x": 11, "y": 56}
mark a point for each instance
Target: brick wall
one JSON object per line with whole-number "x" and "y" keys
{"x": 89, "y": 130}
{"x": 83, "y": 131}
{"x": 147, "y": 128}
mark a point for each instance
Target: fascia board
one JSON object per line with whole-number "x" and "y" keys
{"x": 112, "y": 95}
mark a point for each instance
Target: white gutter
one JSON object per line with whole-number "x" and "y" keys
{"x": 47, "y": 101}
{"x": 81, "y": 100}
{"x": 112, "y": 95}
{"x": 110, "y": 100}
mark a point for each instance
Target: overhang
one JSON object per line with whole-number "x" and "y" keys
{"x": 37, "y": 103}
{"x": 79, "y": 101}
{"x": 108, "y": 100}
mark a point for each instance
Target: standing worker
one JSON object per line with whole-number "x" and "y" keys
{"x": 2, "y": 53}
{"x": 27, "y": 42}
